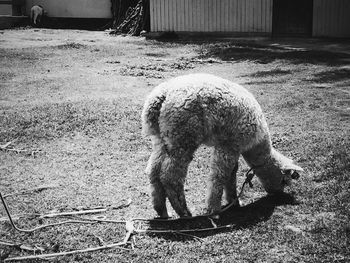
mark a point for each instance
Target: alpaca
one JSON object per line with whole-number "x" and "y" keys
{"x": 37, "y": 13}
{"x": 185, "y": 112}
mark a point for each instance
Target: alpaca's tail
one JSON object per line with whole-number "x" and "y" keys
{"x": 151, "y": 112}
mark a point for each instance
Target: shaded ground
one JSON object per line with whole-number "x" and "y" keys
{"x": 77, "y": 97}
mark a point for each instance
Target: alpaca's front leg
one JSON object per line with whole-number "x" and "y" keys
{"x": 230, "y": 187}
{"x": 222, "y": 177}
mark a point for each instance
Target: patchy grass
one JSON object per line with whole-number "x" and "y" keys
{"x": 78, "y": 97}
{"x": 50, "y": 121}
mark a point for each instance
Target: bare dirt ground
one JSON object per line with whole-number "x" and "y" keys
{"x": 76, "y": 96}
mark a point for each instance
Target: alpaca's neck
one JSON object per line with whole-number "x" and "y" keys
{"x": 259, "y": 154}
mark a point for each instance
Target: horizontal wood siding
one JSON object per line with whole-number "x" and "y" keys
{"x": 211, "y": 15}
{"x": 331, "y": 18}
{"x": 5, "y": 9}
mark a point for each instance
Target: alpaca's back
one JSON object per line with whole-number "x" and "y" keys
{"x": 211, "y": 109}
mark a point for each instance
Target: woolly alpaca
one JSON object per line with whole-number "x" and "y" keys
{"x": 185, "y": 112}
{"x": 36, "y": 14}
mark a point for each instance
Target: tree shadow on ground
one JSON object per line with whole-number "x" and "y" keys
{"x": 334, "y": 75}
{"x": 269, "y": 73}
{"x": 267, "y": 76}
{"x": 267, "y": 53}
{"x": 228, "y": 220}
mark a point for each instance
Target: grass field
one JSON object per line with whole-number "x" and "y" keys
{"x": 77, "y": 96}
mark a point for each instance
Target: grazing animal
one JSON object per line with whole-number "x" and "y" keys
{"x": 36, "y": 14}
{"x": 185, "y": 112}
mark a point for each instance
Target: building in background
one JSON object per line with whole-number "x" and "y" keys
{"x": 12, "y": 7}
{"x": 88, "y": 14}
{"x": 74, "y": 8}
{"x": 81, "y": 14}
{"x": 12, "y": 13}
{"x": 303, "y": 18}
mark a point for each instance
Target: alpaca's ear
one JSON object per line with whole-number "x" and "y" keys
{"x": 285, "y": 164}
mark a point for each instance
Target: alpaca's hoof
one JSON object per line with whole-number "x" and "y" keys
{"x": 234, "y": 204}
{"x": 163, "y": 215}
{"x": 186, "y": 214}
{"x": 211, "y": 212}
{"x": 214, "y": 216}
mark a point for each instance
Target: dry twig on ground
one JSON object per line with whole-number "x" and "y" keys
{"x": 5, "y": 147}
{"x": 54, "y": 255}
{"x": 84, "y": 212}
{"x": 35, "y": 189}
{"x": 21, "y": 246}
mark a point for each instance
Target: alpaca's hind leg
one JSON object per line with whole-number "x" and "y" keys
{"x": 153, "y": 170}
{"x": 173, "y": 174}
{"x": 222, "y": 177}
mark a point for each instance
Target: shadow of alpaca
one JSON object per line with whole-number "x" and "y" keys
{"x": 258, "y": 211}
{"x": 228, "y": 220}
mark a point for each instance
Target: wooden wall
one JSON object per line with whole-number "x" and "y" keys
{"x": 5, "y": 7}
{"x": 211, "y": 15}
{"x": 74, "y": 8}
{"x": 331, "y": 18}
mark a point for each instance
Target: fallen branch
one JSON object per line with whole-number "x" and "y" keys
{"x": 103, "y": 220}
{"x": 4, "y": 147}
{"x": 90, "y": 211}
{"x": 111, "y": 206}
{"x": 86, "y": 221}
{"x": 5, "y": 219}
{"x": 59, "y": 223}
{"x": 21, "y": 246}
{"x": 129, "y": 237}
{"x": 54, "y": 255}
{"x": 100, "y": 240}
{"x": 130, "y": 231}
{"x": 52, "y": 225}
{"x": 35, "y": 189}
{"x": 39, "y": 227}
{"x": 167, "y": 231}
{"x": 93, "y": 211}
{"x": 28, "y": 152}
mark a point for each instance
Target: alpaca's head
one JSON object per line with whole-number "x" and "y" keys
{"x": 277, "y": 173}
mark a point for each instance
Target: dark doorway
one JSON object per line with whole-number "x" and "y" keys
{"x": 292, "y": 17}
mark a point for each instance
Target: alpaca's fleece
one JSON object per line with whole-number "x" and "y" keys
{"x": 36, "y": 14}
{"x": 185, "y": 112}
